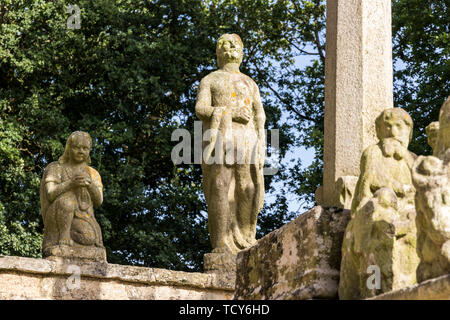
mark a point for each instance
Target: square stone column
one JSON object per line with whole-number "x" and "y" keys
{"x": 358, "y": 86}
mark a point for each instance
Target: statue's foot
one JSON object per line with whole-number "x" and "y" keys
{"x": 65, "y": 242}
{"x": 240, "y": 241}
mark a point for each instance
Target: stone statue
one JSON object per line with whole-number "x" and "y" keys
{"x": 432, "y": 131}
{"x": 70, "y": 189}
{"x": 431, "y": 177}
{"x": 382, "y": 231}
{"x": 230, "y": 108}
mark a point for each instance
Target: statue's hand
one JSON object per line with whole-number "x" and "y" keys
{"x": 81, "y": 180}
{"x": 241, "y": 114}
{"x": 216, "y": 116}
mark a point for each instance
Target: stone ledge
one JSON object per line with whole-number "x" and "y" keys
{"x": 433, "y": 289}
{"x": 83, "y": 253}
{"x": 30, "y": 273}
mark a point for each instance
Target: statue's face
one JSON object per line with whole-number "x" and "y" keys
{"x": 229, "y": 49}
{"x": 397, "y": 128}
{"x": 79, "y": 149}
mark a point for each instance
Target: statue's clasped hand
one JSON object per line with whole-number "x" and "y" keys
{"x": 241, "y": 114}
{"x": 81, "y": 180}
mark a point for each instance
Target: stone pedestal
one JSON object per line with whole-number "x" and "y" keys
{"x": 219, "y": 262}
{"x": 82, "y": 253}
{"x": 300, "y": 260}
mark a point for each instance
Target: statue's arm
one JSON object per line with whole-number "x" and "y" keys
{"x": 410, "y": 158}
{"x": 203, "y": 107}
{"x": 52, "y": 183}
{"x": 260, "y": 116}
{"x": 363, "y": 192}
{"x": 96, "y": 188}
{"x": 260, "y": 119}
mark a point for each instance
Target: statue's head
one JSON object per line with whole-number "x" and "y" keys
{"x": 395, "y": 123}
{"x": 432, "y": 131}
{"x": 78, "y": 147}
{"x": 444, "y": 128}
{"x": 229, "y": 48}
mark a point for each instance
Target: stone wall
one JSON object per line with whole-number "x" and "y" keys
{"x": 301, "y": 260}
{"x": 28, "y": 278}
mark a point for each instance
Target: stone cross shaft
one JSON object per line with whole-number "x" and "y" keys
{"x": 358, "y": 85}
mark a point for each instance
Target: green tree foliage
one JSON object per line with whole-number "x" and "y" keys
{"x": 422, "y": 62}
{"x": 128, "y": 76}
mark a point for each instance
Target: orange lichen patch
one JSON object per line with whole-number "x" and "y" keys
{"x": 237, "y": 72}
{"x": 233, "y": 94}
{"x": 224, "y": 113}
{"x": 247, "y": 101}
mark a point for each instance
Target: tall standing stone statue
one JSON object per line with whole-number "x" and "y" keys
{"x": 381, "y": 235}
{"x": 230, "y": 108}
{"x": 70, "y": 189}
{"x": 431, "y": 177}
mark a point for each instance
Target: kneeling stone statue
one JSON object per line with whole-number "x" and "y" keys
{"x": 70, "y": 189}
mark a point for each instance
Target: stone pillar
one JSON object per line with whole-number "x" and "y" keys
{"x": 358, "y": 86}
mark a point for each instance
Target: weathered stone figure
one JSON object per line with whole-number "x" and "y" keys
{"x": 431, "y": 177}
{"x": 432, "y": 131}
{"x": 382, "y": 231}
{"x": 230, "y": 107}
{"x": 70, "y": 189}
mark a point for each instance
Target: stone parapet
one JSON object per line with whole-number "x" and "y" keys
{"x": 300, "y": 260}
{"x": 29, "y": 278}
{"x": 433, "y": 289}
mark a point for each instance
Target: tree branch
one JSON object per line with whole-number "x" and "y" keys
{"x": 287, "y": 104}
{"x": 301, "y": 50}
{"x": 319, "y": 45}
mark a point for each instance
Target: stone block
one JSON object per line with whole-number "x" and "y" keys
{"x": 299, "y": 261}
{"x": 83, "y": 253}
{"x": 219, "y": 262}
{"x": 433, "y": 289}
